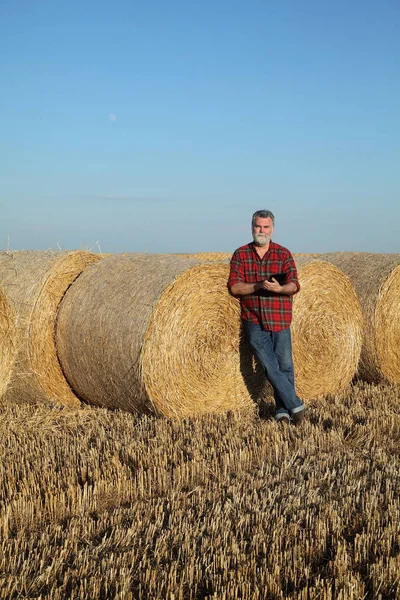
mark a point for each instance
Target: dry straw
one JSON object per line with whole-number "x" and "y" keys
{"x": 327, "y": 329}
{"x": 208, "y": 256}
{"x": 211, "y": 256}
{"x": 34, "y": 284}
{"x": 7, "y": 341}
{"x": 307, "y": 254}
{"x": 156, "y": 333}
{"x": 223, "y": 507}
{"x": 376, "y": 278}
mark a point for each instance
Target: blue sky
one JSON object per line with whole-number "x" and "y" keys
{"x": 162, "y": 126}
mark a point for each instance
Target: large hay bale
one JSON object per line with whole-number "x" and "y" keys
{"x": 7, "y": 341}
{"x": 156, "y": 333}
{"x": 207, "y": 256}
{"x": 307, "y": 254}
{"x": 34, "y": 284}
{"x": 326, "y": 328}
{"x": 376, "y": 278}
{"x": 212, "y": 256}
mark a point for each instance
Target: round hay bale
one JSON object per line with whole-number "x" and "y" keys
{"x": 307, "y": 254}
{"x": 207, "y": 256}
{"x": 376, "y": 278}
{"x": 156, "y": 333}
{"x": 212, "y": 256}
{"x": 326, "y": 329}
{"x": 34, "y": 283}
{"x": 7, "y": 341}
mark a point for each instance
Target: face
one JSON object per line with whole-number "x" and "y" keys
{"x": 262, "y": 231}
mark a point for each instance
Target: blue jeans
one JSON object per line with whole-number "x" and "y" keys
{"x": 273, "y": 350}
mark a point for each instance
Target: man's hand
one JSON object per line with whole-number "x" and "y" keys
{"x": 287, "y": 289}
{"x": 272, "y": 286}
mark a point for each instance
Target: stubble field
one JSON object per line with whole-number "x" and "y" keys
{"x": 96, "y": 504}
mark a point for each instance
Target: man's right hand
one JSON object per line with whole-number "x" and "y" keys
{"x": 271, "y": 286}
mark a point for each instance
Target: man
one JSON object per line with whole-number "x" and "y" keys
{"x": 264, "y": 276}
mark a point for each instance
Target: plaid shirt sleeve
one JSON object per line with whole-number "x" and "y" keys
{"x": 289, "y": 267}
{"x": 236, "y": 274}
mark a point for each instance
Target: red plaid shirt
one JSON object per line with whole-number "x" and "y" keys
{"x": 272, "y": 311}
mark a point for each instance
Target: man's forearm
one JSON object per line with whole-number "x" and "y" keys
{"x": 242, "y": 289}
{"x": 288, "y": 289}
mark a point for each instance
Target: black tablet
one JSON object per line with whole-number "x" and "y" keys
{"x": 280, "y": 278}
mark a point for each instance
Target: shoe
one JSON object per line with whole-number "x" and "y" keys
{"x": 284, "y": 421}
{"x": 298, "y": 417}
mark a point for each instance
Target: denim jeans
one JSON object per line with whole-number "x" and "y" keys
{"x": 273, "y": 350}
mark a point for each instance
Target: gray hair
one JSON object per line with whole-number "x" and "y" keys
{"x": 263, "y": 214}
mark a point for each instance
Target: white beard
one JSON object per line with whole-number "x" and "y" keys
{"x": 261, "y": 239}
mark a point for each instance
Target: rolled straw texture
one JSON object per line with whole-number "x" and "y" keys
{"x": 211, "y": 256}
{"x": 376, "y": 278}
{"x": 207, "y": 256}
{"x": 326, "y": 329}
{"x": 307, "y": 254}
{"x": 7, "y": 341}
{"x": 34, "y": 284}
{"x": 156, "y": 333}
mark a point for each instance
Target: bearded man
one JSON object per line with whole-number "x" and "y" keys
{"x": 263, "y": 276}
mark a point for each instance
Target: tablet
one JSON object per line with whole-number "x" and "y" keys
{"x": 280, "y": 278}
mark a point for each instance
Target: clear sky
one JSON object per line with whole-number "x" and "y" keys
{"x": 161, "y": 126}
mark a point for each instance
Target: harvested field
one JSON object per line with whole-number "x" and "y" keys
{"x": 34, "y": 284}
{"x": 102, "y": 505}
{"x": 376, "y": 278}
{"x": 156, "y": 333}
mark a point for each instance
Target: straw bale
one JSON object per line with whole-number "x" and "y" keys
{"x": 376, "y": 278}
{"x": 156, "y": 333}
{"x": 34, "y": 283}
{"x": 7, "y": 341}
{"x": 207, "y": 256}
{"x": 211, "y": 256}
{"x": 307, "y": 254}
{"x": 326, "y": 328}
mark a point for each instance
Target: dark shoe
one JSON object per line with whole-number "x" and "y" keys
{"x": 298, "y": 417}
{"x": 284, "y": 421}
